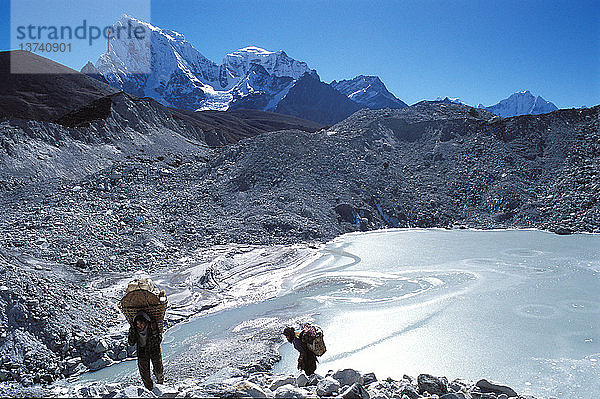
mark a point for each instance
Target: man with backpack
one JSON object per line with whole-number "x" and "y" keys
{"x": 145, "y": 333}
{"x": 307, "y": 360}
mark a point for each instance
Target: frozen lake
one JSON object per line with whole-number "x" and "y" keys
{"x": 521, "y": 307}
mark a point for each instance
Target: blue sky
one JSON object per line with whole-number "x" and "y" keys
{"x": 479, "y": 51}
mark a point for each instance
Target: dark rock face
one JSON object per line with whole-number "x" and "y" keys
{"x": 487, "y": 387}
{"x": 314, "y": 100}
{"x": 43, "y": 97}
{"x": 431, "y": 384}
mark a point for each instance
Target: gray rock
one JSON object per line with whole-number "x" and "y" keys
{"x": 356, "y": 391}
{"x": 487, "y": 387}
{"x": 100, "y": 363}
{"x": 376, "y": 394}
{"x": 249, "y": 389}
{"x": 369, "y": 378}
{"x": 502, "y": 396}
{"x": 73, "y": 362}
{"x": 122, "y": 354}
{"x": 327, "y": 386}
{"x": 135, "y": 392}
{"x": 347, "y": 377}
{"x": 4, "y": 375}
{"x": 101, "y": 346}
{"x": 281, "y": 381}
{"x": 131, "y": 350}
{"x": 409, "y": 391}
{"x": 290, "y": 391}
{"x": 454, "y": 395}
{"x": 164, "y": 391}
{"x": 301, "y": 380}
{"x": 431, "y": 384}
{"x": 314, "y": 379}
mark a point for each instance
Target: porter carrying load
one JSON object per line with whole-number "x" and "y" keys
{"x": 142, "y": 295}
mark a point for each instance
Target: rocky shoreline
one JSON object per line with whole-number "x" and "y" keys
{"x": 231, "y": 382}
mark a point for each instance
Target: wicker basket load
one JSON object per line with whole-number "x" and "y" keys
{"x": 142, "y": 294}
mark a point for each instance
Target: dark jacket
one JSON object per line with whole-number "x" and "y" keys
{"x": 153, "y": 339}
{"x": 307, "y": 360}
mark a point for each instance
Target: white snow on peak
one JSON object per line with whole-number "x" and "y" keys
{"x": 454, "y": 100}
{"x": 522, "y": 103}
{"x": 254, "y": 49}
{"x": 276, "y": 63}
{"x": 166, "y": 67}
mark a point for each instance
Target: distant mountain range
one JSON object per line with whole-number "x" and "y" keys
{"x": 179, "y": 76}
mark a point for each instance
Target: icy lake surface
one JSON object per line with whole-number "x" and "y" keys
{"x": 521, "y": 307}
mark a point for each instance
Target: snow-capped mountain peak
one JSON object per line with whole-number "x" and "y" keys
{"x": 368, "y": 91}
{"x": 450, "y": 100}
{"x": 165, "y": 66}
{"x": 276, "y": 63}
{"x": 521, "y": 103}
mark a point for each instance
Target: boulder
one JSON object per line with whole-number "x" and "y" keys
{"x": 73, "y": 362}
{"x": 164, "y": 391}
{"x": 301, "y": 380}
{"x": 375, "y": 394}
{"x": 455, "y": 395}
{"x": 249, "y": 389}
{"x": 134, "y": 391}
{"x": 369, "y": 378}
{"x": 100, "y": 363}
{"x": 355, "y": 391}
{"x": 101, "y": 346}
{"x": 281, "y": 381}
{"x": 314, "y": 379}
{"x": 347, "y": 377}
{"x": 290, "y": 391}
{"x": 431, "y": 384}
{"x": 460, "y": 385}
{"x": 327, "y": 386}
{"x": 409, "y": 391}
{"x": 487, "y": 387}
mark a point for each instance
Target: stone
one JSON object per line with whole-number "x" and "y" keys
{"x": 101, "y": 346}
{"x": 431, "y": 384}
{"x": 328, "y": 386}
{"x": 347, "y": 377}
{"x": 4, "y": 375}
{"x": 290, "y": 391}
{"x": 164, "y": 391}
{"x": 131, "y": 350}
{"x": 301, "y": 380}
{"x": 314, "y": 379}
{"x": 134, "y": 391}
{"x": 369, "y": 378}
{"x": 409, "y": 391}
{"x": 376, "y": 394}
{"x": 356, "y": 391}
{"x": 502, "y": 396}
{"x": 454, "y": 395}
{"x": 81, "y": 264}
{"x": 122, "y": 355}
{"x": 73, "y": 362}
{"x": 249, "y": 389}
{"x": 100, "y": 363}
{"x": 487, "y": 387}
{"x": 563, "y": 231}
{"x": 281, "y": 381}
